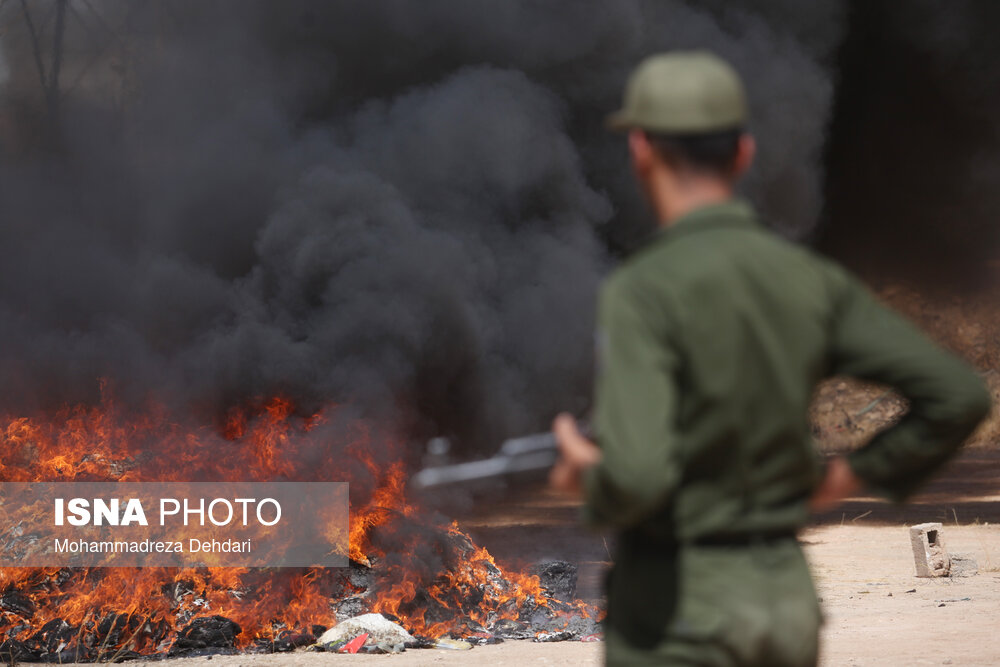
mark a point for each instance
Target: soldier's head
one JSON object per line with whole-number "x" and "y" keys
{"x": 686, "y": 116}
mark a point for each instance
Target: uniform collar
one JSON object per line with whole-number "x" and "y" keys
{"x": 733, "y": 213}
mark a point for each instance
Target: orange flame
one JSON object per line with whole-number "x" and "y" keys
{"x": 271, "y": 442}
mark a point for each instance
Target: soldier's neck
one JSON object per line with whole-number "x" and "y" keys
{"x": 675, "y": 198}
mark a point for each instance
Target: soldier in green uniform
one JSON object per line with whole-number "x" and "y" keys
{"x": 711, "y": 341}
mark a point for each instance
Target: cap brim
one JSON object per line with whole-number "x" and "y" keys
{"x": 619, "y": 121}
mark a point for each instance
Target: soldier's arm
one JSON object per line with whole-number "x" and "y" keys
{"x": 947, "y": 399}
{"x": 635, "y": 411}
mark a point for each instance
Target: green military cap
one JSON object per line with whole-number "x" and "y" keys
{"x": 682, "y": 92}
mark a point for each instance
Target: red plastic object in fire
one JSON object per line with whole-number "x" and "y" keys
{"x": 354, "y": 645}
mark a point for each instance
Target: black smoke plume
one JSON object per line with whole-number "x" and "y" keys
{"x": 405, "y": 206}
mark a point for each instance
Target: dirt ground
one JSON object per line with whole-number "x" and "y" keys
{"x": 878, "y": 612}
{"x": 510, "y": 654}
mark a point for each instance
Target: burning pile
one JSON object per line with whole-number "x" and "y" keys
{"x": 418, "y": 570}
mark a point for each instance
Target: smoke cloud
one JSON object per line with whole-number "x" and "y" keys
{"x": 403, "y": 206}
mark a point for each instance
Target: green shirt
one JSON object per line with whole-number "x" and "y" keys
{"x": 711, "y": 342}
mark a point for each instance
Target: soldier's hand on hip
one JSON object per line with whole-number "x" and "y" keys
{"x": 839, "y": 483}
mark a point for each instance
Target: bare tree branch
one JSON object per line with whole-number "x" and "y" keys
{"x": 35, "y": 45}
{"x": 101, "y": 21}
{"x": 52, "y": 93}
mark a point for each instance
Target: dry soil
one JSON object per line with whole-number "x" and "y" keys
{"x": 878, "y": 612}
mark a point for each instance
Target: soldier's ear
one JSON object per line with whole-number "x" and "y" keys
{"x": 746, "y": 149}
{"x": 641, "y": 151}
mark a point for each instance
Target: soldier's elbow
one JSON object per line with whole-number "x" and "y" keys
{"x": 969, "y": 403}
{"x": 978, "y": 403}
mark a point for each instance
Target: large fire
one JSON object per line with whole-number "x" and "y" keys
{"x": 431, "y": 577}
